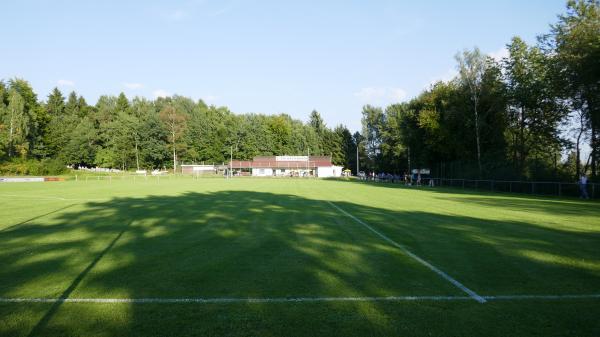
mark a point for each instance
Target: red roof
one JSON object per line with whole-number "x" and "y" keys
{"x": 271, "y": 162}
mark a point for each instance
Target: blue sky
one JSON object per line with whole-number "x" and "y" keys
{"x": 258, "y": 56}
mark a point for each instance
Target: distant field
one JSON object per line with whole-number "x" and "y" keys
{"x": 293, "y": 257}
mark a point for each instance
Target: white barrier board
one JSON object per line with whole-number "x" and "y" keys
{"x": 21, "y": 180}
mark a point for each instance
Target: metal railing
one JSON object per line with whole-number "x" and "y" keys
{"x": 139, "y": 177}
{"x": 554, "y": 188}
{"x": 547, "y": 188}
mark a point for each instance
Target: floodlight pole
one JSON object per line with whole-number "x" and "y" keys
{"x": 358, "y": 143}
{"x": 308, "y": 160}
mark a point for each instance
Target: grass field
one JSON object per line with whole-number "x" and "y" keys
{"x": 286, "y": 257}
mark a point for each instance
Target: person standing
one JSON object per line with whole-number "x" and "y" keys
{"x": 583, "y": 186}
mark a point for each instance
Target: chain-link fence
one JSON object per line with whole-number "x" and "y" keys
{"x": 529, "y": 187}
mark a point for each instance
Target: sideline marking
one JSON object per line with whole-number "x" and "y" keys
{"x": 234, "y": 300}
{"x": 541, "y": 297}
{"x": 447, "y": 277}
{"x": 50, "y": 198}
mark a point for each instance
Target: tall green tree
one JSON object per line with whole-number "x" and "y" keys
{"x": 535, "y": 110}
{"x": 82, "y": 146}
{"x": 372, "y": 127}
{"x": 316, "y": 122}
{"x": 17, "y": 123}
{"x": 396, "y": 141}
{"x": 58, "y": 129}
{"x": 3, "y": 119}
{"x": 575, "y": 41}
{"x": 471, "y": 68}
{"x": 347, "y": 147}
{"x": 175, "y": 123}
{"x": 36, "y": 117}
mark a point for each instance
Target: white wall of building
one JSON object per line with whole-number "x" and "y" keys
{"x": 262, "y": 172}
{"x": 329, "y": 171}
{"x": 199, "y": 168}
{"x": 322, "y": 172}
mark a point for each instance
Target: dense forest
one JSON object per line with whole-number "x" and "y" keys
{"x": 529, "y": 115}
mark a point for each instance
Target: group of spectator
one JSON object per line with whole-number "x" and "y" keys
{"x": 406, "y": 179}
{"x": 583, "y": 180}
{"x": 93, "y": 169}
{"x": 417, "y": 180}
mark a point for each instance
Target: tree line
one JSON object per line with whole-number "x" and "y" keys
{"x": 139, "y": 133}
{"x": 526, "y": 116}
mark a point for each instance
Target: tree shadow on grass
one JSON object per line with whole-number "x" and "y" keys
{"x": 514, "y": 201}
{"x": 240, "y": 244}
{"x": 532, "y": 204}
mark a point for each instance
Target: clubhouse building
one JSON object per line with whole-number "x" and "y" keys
{"x": 276, "y": 166}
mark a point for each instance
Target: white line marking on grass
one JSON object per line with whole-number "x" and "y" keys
{"x": 224, "y": 300}
{"x": 48, "y": 198}
{"x": 236, "y": 300}
{"x": 541, "y": 297}
{"x": 447, "y": 277}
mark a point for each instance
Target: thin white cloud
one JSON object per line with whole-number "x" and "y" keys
{"x": 448, "y": 76}
{"x": 209, "y": 98}
{"x": 409, "y": 26}
{"x": 161, "y": 93}
{"x": 398, "y": 94}
{"x": 176, "y": 15}
{"x": 65, "y": 83}
{"x": 499, "y": 54}
{"x": 451, "y": 73}
{"x": 133, "y": 86}
{"x": 381, "y": 94}
{"x": 222, "y": 10}
{"x": 193, "y": 9}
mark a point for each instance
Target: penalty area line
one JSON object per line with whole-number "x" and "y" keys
{"x": 433, "y": 268}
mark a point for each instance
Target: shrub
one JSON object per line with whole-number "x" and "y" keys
{"x": 32, "y": 167}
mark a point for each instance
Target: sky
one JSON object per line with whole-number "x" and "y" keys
{"x": 258, "y": 56}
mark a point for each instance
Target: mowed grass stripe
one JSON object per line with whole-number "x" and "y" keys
{"x": 19, "y": 215}
{"x": 433, "y": 268}
{"x": 43, "y": 256}
{"x": 262, "y": 239}
{"x": 259, "y": 244}
{"x": 505, "y": 252}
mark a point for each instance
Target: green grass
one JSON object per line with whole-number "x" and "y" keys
{"x": 280, "y": 238}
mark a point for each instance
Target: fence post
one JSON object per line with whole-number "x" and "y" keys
{"x": 492, "y": 186}
{"x": 463, "y": 184}
{"x": 510, "y": 187}
{"x": 559, "y": 189}
{"x": 532, "y": 187}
